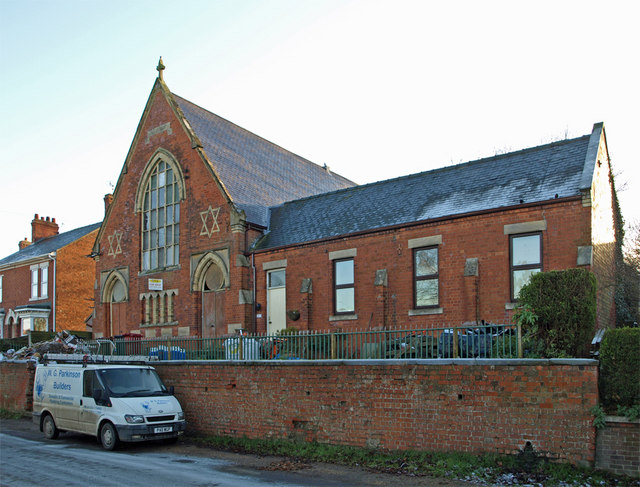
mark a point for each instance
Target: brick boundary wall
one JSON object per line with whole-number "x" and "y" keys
{"x": 618, "y": 446}
{"x": 16, "y": 386}
{"x": 432, "y": 405}
{"x": 460, "y": 405}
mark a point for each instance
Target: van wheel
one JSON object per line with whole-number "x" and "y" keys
{"x": 108, "y": 437}
{"x": 49, "y": 428}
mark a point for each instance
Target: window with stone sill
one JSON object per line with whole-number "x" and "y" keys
{"x": 35, "y": 275}
{"x": 44, "y": 281}
{"x": 39, "y": 281}
{"x": 343, "y": 287}
{"x": 525, "y": 252}
{"x": 426, "y": 278}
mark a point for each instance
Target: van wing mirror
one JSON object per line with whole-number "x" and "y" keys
{"x": 171, "y": 390}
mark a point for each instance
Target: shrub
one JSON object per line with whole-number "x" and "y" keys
{"x": 564, "y": 303}
{"x": 620, "y": 368}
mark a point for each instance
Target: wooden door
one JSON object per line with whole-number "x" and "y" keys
{"x": 213, "y": 323}
{"x": 118, "y": 314}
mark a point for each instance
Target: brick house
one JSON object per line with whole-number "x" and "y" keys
{"x": 48, "y": 284}
{"x": 213, "y": 228}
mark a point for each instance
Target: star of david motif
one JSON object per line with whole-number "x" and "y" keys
{"x": 209, "y": 221}
{"x": 114, "y": 243}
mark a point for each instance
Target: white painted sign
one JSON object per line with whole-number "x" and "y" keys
{"x": 155, "y": 284}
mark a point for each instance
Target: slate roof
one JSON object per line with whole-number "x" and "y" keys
{"x": 48, "y": 245}
{"x": 536, "y": 174}
{"x": 257, "y": 173}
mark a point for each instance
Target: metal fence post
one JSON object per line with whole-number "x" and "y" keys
{"x": 455, "y": 343}
{"x": 334, "y": 351}
{"x": 519, "y": 332}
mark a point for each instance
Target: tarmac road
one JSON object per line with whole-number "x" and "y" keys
{"x": 27, "y": 459}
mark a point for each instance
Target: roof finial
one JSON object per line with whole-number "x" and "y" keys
{"x": 160, "y": 68}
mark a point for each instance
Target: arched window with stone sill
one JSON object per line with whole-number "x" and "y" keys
{"x": 160, "y": 191}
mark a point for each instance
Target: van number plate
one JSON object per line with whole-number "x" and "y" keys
{"x": 163, "y": 429}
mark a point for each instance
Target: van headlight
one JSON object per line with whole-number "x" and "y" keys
{"x": 180, "y": 415}
{"x": 134, "y": 418}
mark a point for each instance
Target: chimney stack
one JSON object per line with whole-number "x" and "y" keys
{"x": 24, "y": 243}
{"x": 42, "y": 227}
{"x": 108, "y": 199}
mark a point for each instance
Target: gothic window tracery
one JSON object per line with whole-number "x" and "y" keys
{"x": 161, "y": 217}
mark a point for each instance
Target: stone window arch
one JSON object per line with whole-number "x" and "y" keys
{"x": 160, "y": 191}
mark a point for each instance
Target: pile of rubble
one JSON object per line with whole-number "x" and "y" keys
{"x": 63, "y": 342}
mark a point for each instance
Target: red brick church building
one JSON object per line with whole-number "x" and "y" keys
{"x": 212, "y": 229}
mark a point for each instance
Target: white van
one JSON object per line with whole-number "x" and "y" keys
{"x": 111, "y": 402}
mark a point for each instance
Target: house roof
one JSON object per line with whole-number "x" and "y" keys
{"x": 547, "y": 172}
{"x": 47, "y": 245}
{"x": 257, "y": 173}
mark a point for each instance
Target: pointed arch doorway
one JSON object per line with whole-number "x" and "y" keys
{"x": 213, "y": 298}
{"x": 116, "y": 296}
{"x": 117, "y": 310}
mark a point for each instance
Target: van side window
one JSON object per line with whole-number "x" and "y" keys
{"x": 90, "y": 382}
{"x": 87, "y": 383}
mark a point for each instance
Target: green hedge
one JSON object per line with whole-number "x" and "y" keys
{"x": 43, "y": 336}
{"x": 565, "y": 305}
{"x": 13, "y": 343}
{"x": 620, "y": 368}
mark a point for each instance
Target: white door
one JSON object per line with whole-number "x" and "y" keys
{"x": 276, "y": 301}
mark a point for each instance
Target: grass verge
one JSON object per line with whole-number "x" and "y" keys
{"x": 526, "y": 468}
{"x": 7, "y": 414}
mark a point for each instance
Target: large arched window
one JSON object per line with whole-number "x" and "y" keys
{"x": 161, "y": 217}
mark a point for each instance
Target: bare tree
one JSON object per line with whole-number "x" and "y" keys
{"x": 632, "y": 245}
{"x": 630, "y": 276}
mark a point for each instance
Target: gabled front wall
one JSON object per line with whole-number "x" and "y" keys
{"x": 176, "y": 308}
{"x": 604, "y": 218}
{"x": 74, "y": 273}
{"x": 383, "y": 302}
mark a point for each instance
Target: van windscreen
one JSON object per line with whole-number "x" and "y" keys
{"x": 132, "y": 382}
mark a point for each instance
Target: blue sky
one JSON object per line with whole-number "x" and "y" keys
{"x": 373, "y": 88}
